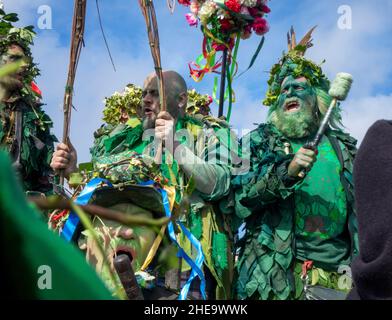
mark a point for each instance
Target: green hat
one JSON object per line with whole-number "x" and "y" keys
{"x": 146, "y": 197}
{"x": 293, "y": 63}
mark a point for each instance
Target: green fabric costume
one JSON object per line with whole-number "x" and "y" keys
{"x": 274, "y": 207}
{"x": 289, "y": 220}
{"x": 37, "y": 141}
{"x": 27, "y": 244}
{"x": 208, "y": 226}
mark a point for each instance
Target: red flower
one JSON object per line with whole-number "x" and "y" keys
{"x": 233, "y": 5}
{"x": 260, "y": 26}
{"x": 35, "y": 88}
{"x": 254, "y": 12}
{"x": 185, "y": 2}
{"x": 225, "y": 25}
{"x": 265, "y": 9}
{"x": 221, "y": 47}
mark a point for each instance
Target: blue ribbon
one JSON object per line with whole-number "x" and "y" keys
{"x": 84, "y": 197}
{"x": 195, "y": 265}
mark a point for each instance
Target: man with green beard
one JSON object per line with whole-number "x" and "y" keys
{"x": 300, "y": 231}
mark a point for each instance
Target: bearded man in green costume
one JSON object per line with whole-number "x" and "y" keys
{"x": 24, "y": 126}
{"x": 185, "y": 166}
{"x": 299, "y": 231}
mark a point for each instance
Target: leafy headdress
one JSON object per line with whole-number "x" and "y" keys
{"x": 295, "y": 64}
{"x": 130, "y": 100}
{"x": 9, "y": 34}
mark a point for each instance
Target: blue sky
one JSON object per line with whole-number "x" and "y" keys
{"x": 365, "y": 51}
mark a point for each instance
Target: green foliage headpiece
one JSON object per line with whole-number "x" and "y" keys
{"x": 21, "y": 36}
{"x": 293, "y": 63}
{"x": 130, "y": 100}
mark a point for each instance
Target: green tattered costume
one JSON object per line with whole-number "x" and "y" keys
{"x": 27, "y": 245}
{"x": 292, "y": 220}
{"x": 37, "y": 141}
{"x": 115, "y": 142}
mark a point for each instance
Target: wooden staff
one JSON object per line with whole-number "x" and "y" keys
{"x": 148, "y": 11}
{"x": 76, "y": 48}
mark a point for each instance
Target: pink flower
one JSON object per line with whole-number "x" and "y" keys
{"x": 244, "y": 10}
{"x": 185, "y": 2}
{"x": 194, "y": 8}
{"x": 260, "y": 26}
{"x": 191, "y": 18}
{"x": 233, "y": 5}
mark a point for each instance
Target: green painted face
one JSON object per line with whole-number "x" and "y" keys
{"x": 295, "y": 113}
{"x": 15, "y": 80}
{"x": 118, "y": 239}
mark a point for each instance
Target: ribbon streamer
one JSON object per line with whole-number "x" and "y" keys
{"x": 197, "y": 266}
{"x": 73, "y": 221}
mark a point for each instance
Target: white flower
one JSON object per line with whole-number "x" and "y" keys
{"x": 206, "y": 11}
{"x": 248, "y": 3}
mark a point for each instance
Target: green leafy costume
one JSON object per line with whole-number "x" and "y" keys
{"x": 37, "y": 143}
{"x": 274, "y": 207}
{"x": 115, "y": 142}
{"x": 293, "y": 220}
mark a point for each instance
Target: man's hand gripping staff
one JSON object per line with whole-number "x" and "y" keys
{"x": 306, "y": 156}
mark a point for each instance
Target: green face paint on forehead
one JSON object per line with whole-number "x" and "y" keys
{"x": 295, "y": 88}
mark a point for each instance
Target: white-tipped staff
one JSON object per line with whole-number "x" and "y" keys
{"x": 339, "y": 90}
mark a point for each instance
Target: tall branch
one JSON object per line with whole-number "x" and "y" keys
{"x": 148, "y": 11}
{"x": 76, "y": 48}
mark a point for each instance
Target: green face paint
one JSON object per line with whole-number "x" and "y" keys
{"x": 295, "y": 113}
{"x": 13, "y": 54}
{"x": 117, "y": 239}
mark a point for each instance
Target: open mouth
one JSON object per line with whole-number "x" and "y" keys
{"x": 148, "y": 111}
{"x": 124, "y": 250}
{"x": 291, "y": 106}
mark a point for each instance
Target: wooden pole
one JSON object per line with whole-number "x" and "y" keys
{"x": 78, "y": 25}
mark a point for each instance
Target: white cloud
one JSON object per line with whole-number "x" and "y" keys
{"x": 365, "y": 51}
{"x": 360, "y": 114}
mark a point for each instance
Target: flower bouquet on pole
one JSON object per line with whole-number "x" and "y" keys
{"x": 224, "y": 23}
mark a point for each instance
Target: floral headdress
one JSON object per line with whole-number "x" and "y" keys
{"x": 294, "y": 63}
{"x": 129, "y": 101}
